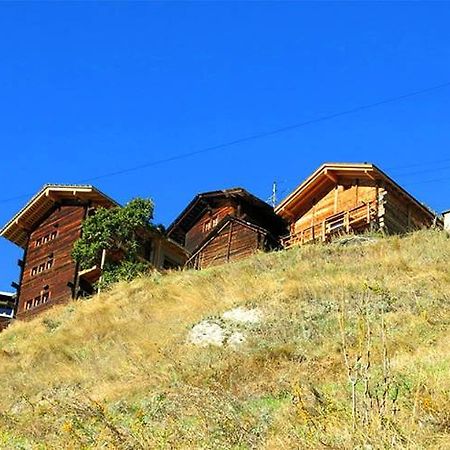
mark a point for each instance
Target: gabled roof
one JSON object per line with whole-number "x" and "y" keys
{"x": 200, "y": 202}
{"x": 18, "y": 228}
{"x": 7, "y": 296}
{"x": 328, "y": 174}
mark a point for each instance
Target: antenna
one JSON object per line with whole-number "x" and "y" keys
{"x": 274, "y": 194}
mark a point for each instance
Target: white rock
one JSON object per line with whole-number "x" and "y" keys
{"x": 207, "y": 333}
{"x": 236, "y": 339}
{"x": 243, "y": 315}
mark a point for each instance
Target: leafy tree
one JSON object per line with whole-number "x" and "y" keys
{"x": 116, "y": 230}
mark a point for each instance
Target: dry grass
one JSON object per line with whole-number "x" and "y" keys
{"x": 115, "y": 371}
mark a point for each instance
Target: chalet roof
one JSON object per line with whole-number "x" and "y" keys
{"x": 328, "y": 174}
{"x": 6, "y": 295}
{"x": 200, "y": 202}
{"x": 19, "y": 227}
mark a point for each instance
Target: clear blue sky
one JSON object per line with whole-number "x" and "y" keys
{"x": 92, "y": 88}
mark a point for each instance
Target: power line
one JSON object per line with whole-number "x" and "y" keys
{"x": 436, "y": 180}
{"x": 271, "y": 132}
{"x": 424, "y": 163}
{"x": 418, "y": 172}
{"x": 256, "y": 136}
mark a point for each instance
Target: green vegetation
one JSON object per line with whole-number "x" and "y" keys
{"x": 352, "y": 352}
{"x": 117, "y": 231}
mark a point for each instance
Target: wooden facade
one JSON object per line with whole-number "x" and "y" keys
{"x": 47, "y": 228}
{"x": 350, "y": 198}
{"x": 221, "y": 226}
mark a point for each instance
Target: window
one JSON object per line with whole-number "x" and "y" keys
{"x": 44, "y": 297}
{"x": 210, "y": 224}
{"x": 43, "y": 266}
{"x": 47, "y": 238}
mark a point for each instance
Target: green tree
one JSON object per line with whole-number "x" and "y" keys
{"x": 120, "y": 232}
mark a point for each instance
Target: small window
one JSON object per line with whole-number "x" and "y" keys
{"x": 44, "y": 297}
{"x": 43, "y": 266}
{"x": 210, "y": 224}
{"x": 47, "y": 238}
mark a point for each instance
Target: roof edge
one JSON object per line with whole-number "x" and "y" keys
{"x": 48, "y": 188}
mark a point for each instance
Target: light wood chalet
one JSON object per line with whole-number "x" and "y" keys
{"x": 47, "y": 228}
{"x": 7, "y": 305}
{"x": 341, "y": 198}
{"x": 220, "y": 226}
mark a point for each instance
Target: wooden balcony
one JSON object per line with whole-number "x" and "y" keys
{"x": 353, "y": 220}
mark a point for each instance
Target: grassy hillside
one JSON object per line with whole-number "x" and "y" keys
{"x": 352, "y": 351}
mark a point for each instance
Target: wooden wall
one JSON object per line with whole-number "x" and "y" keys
{"x": 165, "y": 254}
{"x": 336, "y": 199}
{"x": 401, "y": 215}
{"x": 233, "y": 242}
{"x": 4, "y": 323}
{"x": 197, "y": 233}
{"x": 66, "y": 221}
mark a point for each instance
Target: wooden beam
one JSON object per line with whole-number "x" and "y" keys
{"x": 331, "y": 176}
{"x": 230, "y": 237}
{"x": 369, "y": 174}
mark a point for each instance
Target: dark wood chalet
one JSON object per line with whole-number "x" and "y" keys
{"x": 220, "y": 226}
{"x": 341, "y": 198}
{"x": 47, "y": 228}
{"x": 7, "y": 305}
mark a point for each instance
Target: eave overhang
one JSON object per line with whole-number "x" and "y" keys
{"x": 17, "y": 230}
{"x": 330, "y": 174}
{"x": 202, "y": 201}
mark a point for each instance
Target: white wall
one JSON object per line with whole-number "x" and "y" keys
{"x": 447, "y": 221}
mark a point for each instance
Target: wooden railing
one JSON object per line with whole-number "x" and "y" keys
{"x": 344, "y": 222}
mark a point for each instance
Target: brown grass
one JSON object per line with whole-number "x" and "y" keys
{"x": 115, "y": 371}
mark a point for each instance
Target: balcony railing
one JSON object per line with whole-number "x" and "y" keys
{"x": 344, "y": 222}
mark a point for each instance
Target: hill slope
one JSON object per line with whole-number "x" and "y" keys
{"x": 350, "y": 351}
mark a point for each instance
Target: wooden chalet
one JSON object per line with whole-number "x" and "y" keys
{"x": 7, "y": 305}
{"x": 47, "y": 228}
{"x": 220, "y": 226}
{"x": 341, "y": 198}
